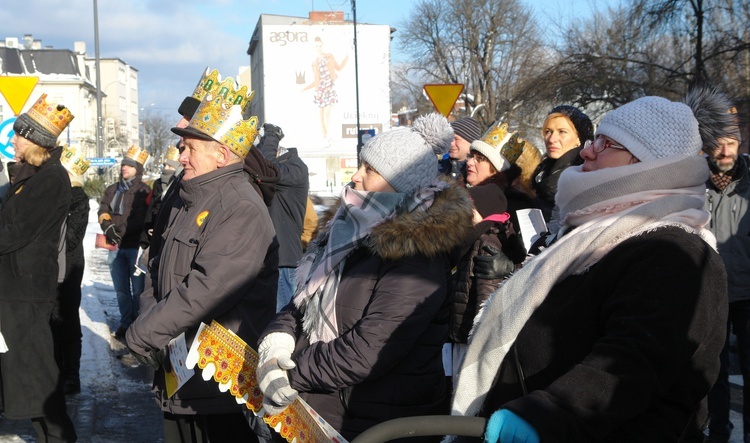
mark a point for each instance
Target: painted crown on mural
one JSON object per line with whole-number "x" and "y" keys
{"x": 74, "y": 161}
{"x": 211, "y": 82}
{"x": 136, "y": 153}
{"x": 220, "y": 117}
{"x": 54, "y": 118}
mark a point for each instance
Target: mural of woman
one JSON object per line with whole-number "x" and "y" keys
{"x": 325, "y": 68}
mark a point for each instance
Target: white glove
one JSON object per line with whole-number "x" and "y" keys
{"x": 278, "y": 345}
{"x": 274, "y": 383}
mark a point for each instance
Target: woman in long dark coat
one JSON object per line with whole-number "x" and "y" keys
{"x": 30, "y": 225}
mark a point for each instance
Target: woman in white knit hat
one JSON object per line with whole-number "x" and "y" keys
{"x": 614, "y": 332}
{"x": 361, "y": 340}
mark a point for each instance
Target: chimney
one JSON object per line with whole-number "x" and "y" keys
{"x": 79, "y": 47}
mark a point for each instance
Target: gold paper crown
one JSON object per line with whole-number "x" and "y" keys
{"x": 220, "y": 117}
{"x": 211, "y": 82}
{"x": 54, "y": 118}
{"x": 74, "y": 161}
{"x": 496, "y": 135}
{"x": 136, "y": 153}
{"x": 172, "y": 154}
{"x": 513, "y": 148}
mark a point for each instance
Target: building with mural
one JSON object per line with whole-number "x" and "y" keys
{"x": 303, "y": 74}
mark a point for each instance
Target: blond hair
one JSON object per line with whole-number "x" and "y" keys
{"x": 35, "y": 155}
{"x": 528, "y": 161}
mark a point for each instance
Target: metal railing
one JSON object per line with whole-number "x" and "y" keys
{"x": 421, "y": 426}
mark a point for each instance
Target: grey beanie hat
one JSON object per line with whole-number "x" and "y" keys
{"x": 29, "y": 129}
{"x": 654, "y": 127}
{"x": 407, "y": 158}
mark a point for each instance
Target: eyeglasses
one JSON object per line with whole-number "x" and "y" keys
{"x": 479, "y": 158}
{"x": 601, "y": 143}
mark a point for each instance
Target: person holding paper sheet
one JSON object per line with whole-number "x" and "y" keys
{"x": 489, "y": 255}
{"x": 493, "y": 161}
{"x": 217, "y": 261}
{"x": 362, "y": 340}
{"x": 613, "y": 333}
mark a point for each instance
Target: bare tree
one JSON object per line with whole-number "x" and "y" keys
{"x": 489, "y": 46}
{"x": 157, "y": 134}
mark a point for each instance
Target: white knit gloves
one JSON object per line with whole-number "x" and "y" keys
{"x": 274, "y": 359}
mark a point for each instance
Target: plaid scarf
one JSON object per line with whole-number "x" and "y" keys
{"x": 319, "y": 271}
{"x": 118, "y": 201}
{"x": 723, "y": 179}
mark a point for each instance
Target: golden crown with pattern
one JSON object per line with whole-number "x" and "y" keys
{"x": 137, "y": 154}
{"x": 513, "y": 148}
{"x": 54, "y": 118}
{"x": 172, "y": 154}
{"x": 220, "y": 116}
{"x": 211, "y": 82}
{"x": 74, "y": 161}
{"x": 500, "y": 146}
{"x": 510, "y": 145}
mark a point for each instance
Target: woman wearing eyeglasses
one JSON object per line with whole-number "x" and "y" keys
{"x": 493, "y": 161}
{"x": 613, "y": 333}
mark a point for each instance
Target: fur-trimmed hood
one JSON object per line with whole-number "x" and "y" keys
{"x": 445, "y": 225}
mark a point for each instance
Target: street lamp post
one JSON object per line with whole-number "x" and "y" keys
{"x": 99, "y": 147}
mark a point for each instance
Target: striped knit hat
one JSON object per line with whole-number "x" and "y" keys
{"x": 467, "y": 128}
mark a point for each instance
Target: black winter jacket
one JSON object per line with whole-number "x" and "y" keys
{"x": 128, "y": 225}
{"x": 392, "y": 310}
{"x": 546, "y": 176}
{"x": 30, "y": 222}
{"x": 625, "y": 352}
{"x": 470, "y": 289}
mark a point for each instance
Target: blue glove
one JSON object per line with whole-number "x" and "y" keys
{"x": 506, "y": 427}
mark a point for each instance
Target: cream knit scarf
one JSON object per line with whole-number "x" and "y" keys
{"x": 606, "y": 207}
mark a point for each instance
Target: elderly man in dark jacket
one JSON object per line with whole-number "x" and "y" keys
{"x": 287, "y": 208}
{"x": 218, "y": 261}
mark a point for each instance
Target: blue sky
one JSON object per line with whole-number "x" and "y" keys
{"x": 170, "y": 42}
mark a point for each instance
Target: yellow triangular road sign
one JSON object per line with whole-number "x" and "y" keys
{"x": 443, "y": 97}
{"x": 17, "y": 90}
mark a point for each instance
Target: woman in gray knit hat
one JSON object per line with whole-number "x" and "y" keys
{"x": 613, "y": 333}
{"x": 361, "y": 340}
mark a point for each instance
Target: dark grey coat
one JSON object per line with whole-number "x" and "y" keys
{"x": 730, "y": 223}
{"x": 218, "y": 262}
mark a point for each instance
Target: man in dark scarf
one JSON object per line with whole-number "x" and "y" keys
{"x": 122, "y": 213}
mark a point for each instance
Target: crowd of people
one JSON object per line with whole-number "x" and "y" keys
{"x": 417, "y": 293}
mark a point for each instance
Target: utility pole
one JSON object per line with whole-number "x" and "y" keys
{"x": 356, "y": 78}
{"x": 99, "y": 146}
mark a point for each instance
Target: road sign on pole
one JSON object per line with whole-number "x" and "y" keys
{"x": 17, "y": 90}
{"x": 6, "y": 131}
{"x": 443, "y": 97}
{"x": 103, "y": 161}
